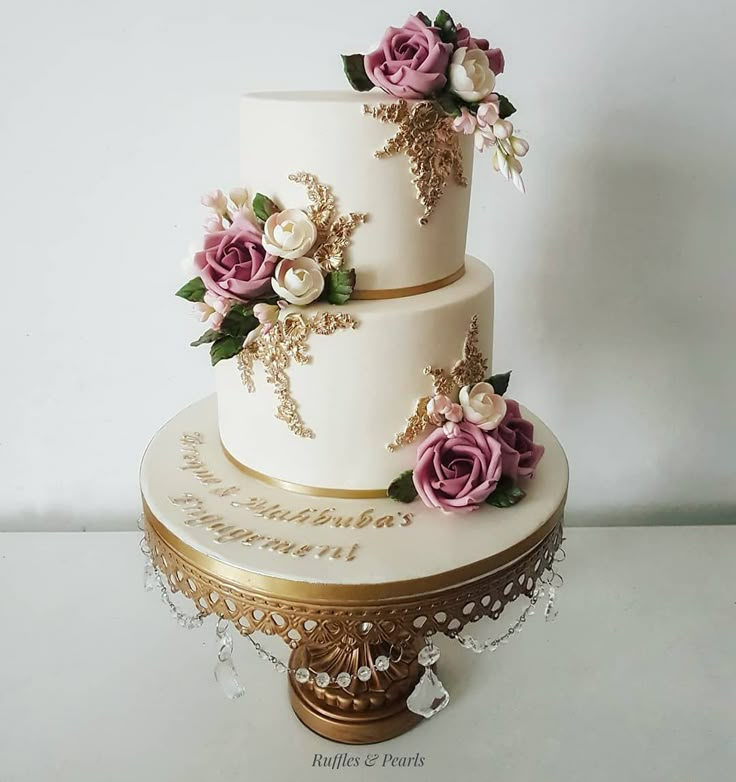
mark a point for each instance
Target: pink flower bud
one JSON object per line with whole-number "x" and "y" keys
{"x": 465, "y": 123}
{"x": 267, "y": 314}
{"x": 454, "y": 413}
{"x": 451, "y": 429}
{"x": 216, "y": 200}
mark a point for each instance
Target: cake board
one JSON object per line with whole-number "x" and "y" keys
{"x": 343, "y": 582}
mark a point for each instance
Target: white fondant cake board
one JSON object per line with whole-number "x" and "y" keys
{"x": 185, "y": 473}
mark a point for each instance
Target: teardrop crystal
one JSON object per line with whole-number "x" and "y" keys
{"x": 429, "y": 696}
{"x": 149, "y": 577}
{"x": 227, "y": 677}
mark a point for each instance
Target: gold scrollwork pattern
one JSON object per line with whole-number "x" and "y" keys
{"x": 430, "y": 142}
{"x": 288, "y": 341}
{"x": 395, "y": 621}
{"x": 469, "y": 369}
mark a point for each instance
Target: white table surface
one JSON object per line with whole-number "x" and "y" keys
{"x": 636, "y": 680}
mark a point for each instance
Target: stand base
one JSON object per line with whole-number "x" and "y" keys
{"x": 370, "y": 728}
{"x": 363, "y": 713}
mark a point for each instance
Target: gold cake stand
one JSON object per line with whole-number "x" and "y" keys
{"x": 340, "y": 627}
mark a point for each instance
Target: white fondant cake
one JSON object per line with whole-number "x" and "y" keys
{"x": 358, "y": 389}
{"x": 351, "y": 336}
{"x": 327, "y": 134}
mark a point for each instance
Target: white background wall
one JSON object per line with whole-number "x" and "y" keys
{"x": 615, "y": 274}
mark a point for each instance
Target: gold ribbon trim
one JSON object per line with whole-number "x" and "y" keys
{"x": 412, "y": 290}
{"x": 300, "y": 488}
{"x": 336, "y": 594}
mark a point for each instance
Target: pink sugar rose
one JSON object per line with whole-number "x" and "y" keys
{"x": 495, "y": 56}
{"x": 519, "y": 453}
{"x": 233, "y": 263}
{"x": 410, "y": 62}
{"x": 457, "y": 473}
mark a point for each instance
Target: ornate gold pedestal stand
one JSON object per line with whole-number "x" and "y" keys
{"x": 337, "y": 628}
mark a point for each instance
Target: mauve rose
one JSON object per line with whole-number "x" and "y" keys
{"x": 519, "y": 453}
{"x": 233, "y": 263}
{"x": 410, "y": 62}
{"x": 457, "y": 473}
{"x": 495, "y": 56}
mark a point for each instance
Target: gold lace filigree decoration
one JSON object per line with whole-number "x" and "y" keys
{"x": 284, "y": 343}
{"x": 430, "y": 142}
{"x": 333, "y": 236}
{"x": 470, "y": 369}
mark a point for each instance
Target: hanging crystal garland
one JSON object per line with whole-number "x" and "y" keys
{"x": 428, "y": 697}
{"x": 554, "y": 581}
{"x": 225, "y": 674}
{"x": 153, "y": 578}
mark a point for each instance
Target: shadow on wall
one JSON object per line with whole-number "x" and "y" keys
{"x": 633, "y": 301}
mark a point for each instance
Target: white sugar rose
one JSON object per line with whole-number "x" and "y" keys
{"x": 470, "y": 75}
{"x": 298, "y": 281}
{"x": 482, "y": 406}
{"x": 289, "y": 234}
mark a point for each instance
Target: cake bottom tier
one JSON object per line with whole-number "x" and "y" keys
{"x": 332, "y": 550}
{"x": 355, "y": 391}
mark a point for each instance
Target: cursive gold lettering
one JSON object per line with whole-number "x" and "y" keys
{"x": 230, "y": 535}
{"x": 316, "y": 517}
{"x": 301, "y": 516}
{"x": 197, "y": 515}
{"x": 226, "y": 491}
{"x": 365, "y": 519}
{"x": 281, "y": 546}
{"x": 352, "y": 553}
{"x": 325, "y": 517}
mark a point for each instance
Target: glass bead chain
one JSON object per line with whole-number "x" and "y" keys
{"x": 552, "y": 581}
{"x": 152, "y": 577}
{"x": 321, "y": 678}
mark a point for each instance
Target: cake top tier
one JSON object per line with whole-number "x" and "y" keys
{"x": 405, "y": 245}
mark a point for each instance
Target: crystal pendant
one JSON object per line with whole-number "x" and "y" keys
{"x": 550, "y": 612}
{"x": 149, "y": 577}
{"x": 227, "y": 677}
{"x": 429, "y": 696}
{"x": 428, "y": 655}
{"x": 226, "y": 646}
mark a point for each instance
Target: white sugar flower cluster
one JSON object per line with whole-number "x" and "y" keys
{"x": 509, "y": 148}
{"x": 489, "y": 130}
